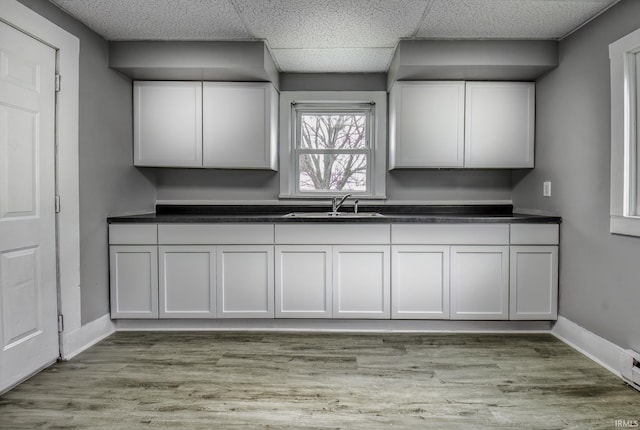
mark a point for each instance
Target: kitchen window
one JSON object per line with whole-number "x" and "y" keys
{"x": 333, "y": 144}
{"x": 624, "y": 56}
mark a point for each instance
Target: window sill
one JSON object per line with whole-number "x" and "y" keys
{"x": 627, "y": 226}
{"x": 329, "y": 196}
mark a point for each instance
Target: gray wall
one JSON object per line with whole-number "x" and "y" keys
{"x": 108, "y": 181}
{"x": 402, "y": 185}
{"x": 599, "y": 272}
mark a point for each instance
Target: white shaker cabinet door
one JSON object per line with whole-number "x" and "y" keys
{"x": 134, "y": 281}
{"x": 167, "y": 124}
{"x": 499, "y": 124}
{"x": 426, "y": 124}
{"x": 187, "y": 281}
{"x": 361, "y": 281}
{"x": 245, "y": 281}
{"x": 303, "y": 281}
{"x": 420, "y": 282}
{"x": 240, "y": 125}
{"x": 480, "y": 282}
{"x": 534, "y": 283}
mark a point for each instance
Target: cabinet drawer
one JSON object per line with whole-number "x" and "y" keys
{"x": 450, "y": 234}
{"x": 133, "y": 234}
{"x": 215, "y": 234}
{"x": 532, "y": 234}
{"x": 331, "y": 234}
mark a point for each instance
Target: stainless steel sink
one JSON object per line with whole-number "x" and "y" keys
{"x": 333, "y": 215}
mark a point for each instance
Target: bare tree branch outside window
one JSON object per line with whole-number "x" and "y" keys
{"x": 333, "y": 151}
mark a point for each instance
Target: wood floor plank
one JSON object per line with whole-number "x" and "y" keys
{"x": 226, "y": 380}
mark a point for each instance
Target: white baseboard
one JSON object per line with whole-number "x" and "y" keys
{"x": 76, "y": 341}
{"x": 596, "y": 348}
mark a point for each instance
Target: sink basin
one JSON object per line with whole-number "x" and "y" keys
{"x": 333, "y": 215}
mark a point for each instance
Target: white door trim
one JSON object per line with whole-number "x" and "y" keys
{"x": 68, "y": 220}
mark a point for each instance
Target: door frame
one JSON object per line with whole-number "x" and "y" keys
{"x": 67, "y": 48}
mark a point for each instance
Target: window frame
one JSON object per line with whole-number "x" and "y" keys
{"x": 624, "y": 55}
{"x": 294, "y": 103}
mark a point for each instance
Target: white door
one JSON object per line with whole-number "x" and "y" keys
{"x": 167, "y": 124}
{"x": 187, "y": 281}
{"x": 499, "y": 124}
{"x": 133, "y": 273}
{"x": 28, "y": 297}
{"x": 239, "y": 125}
{"x": 361, "y": 281}
{"x": 303, "y": 281}
{"x": 534, "y": 283}
{"x": 479, "y": 282}
{"x": 426, "y": 124}
{"x": 420, "y": 284}
{"x": 245, "y": 281}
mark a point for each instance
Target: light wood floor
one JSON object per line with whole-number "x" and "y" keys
{"x": 322, "y": 381}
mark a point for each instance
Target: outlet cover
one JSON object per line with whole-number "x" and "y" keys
{"x": 546, "y": 188}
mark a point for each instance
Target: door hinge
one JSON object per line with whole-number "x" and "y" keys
{"x": 57, "y": 83}
{"x": 57, "y": 204}
{"x": 60, "y": 323}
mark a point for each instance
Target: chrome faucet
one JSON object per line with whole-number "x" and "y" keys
{"x": 337, "y": 202}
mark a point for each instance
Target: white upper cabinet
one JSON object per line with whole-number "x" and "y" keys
{"x": 499, "y": 124}
{"x": 167, "y": 123}
{"x": 240, "y": 125}
{"x": 230, "y": 125}
{"x": 426, "y": 126}
{"x": 443, "y": 124}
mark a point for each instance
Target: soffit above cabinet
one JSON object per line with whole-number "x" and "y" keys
{"x": 199, "y": 61}
{"x": 473, "y": 60}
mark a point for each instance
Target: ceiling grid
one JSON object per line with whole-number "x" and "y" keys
{"x": 333, "y": 35}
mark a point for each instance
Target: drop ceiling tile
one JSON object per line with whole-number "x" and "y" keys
{"x": 159, "y": 20}
{"x": 509, "y": 19}
{"x": 331, "y": 23}
{"x": 343, "y": 60}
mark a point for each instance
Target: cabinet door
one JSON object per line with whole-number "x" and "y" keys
{"x": 303, "y": 281}
{"x": 534, "y": 283}
{"x": 167, "y": 124}
{"x": 480, "y": 282}
{"x": 361, "y": 281}
{"x": 499, "y": 124}
{"x": 187, "y": 281}
{"x": 240, "y": 125}
{"x": 426, "y": 124}
{"x": 245, "y": 281}
{"x": 134, "y": 281}
{"x": 420, "y": 282}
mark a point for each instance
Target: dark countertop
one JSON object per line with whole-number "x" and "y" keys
{"x": 451, "y": 214}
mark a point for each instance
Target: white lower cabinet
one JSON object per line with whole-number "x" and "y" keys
{"x": 420, "y": 282}
{"x": 303, "y": 281}
{"x": 332, "y": 271}
{"x": 340, "y": 281}
{"x": 534, "y": 283}
{"x": 480, "y": 282}
{"x": 361, "y": 271}
{"x": 134, "y": 281}
{"x": 361, "y": 281}
{"x": 245, "y": 281}
{"x": 187, "y": 281}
